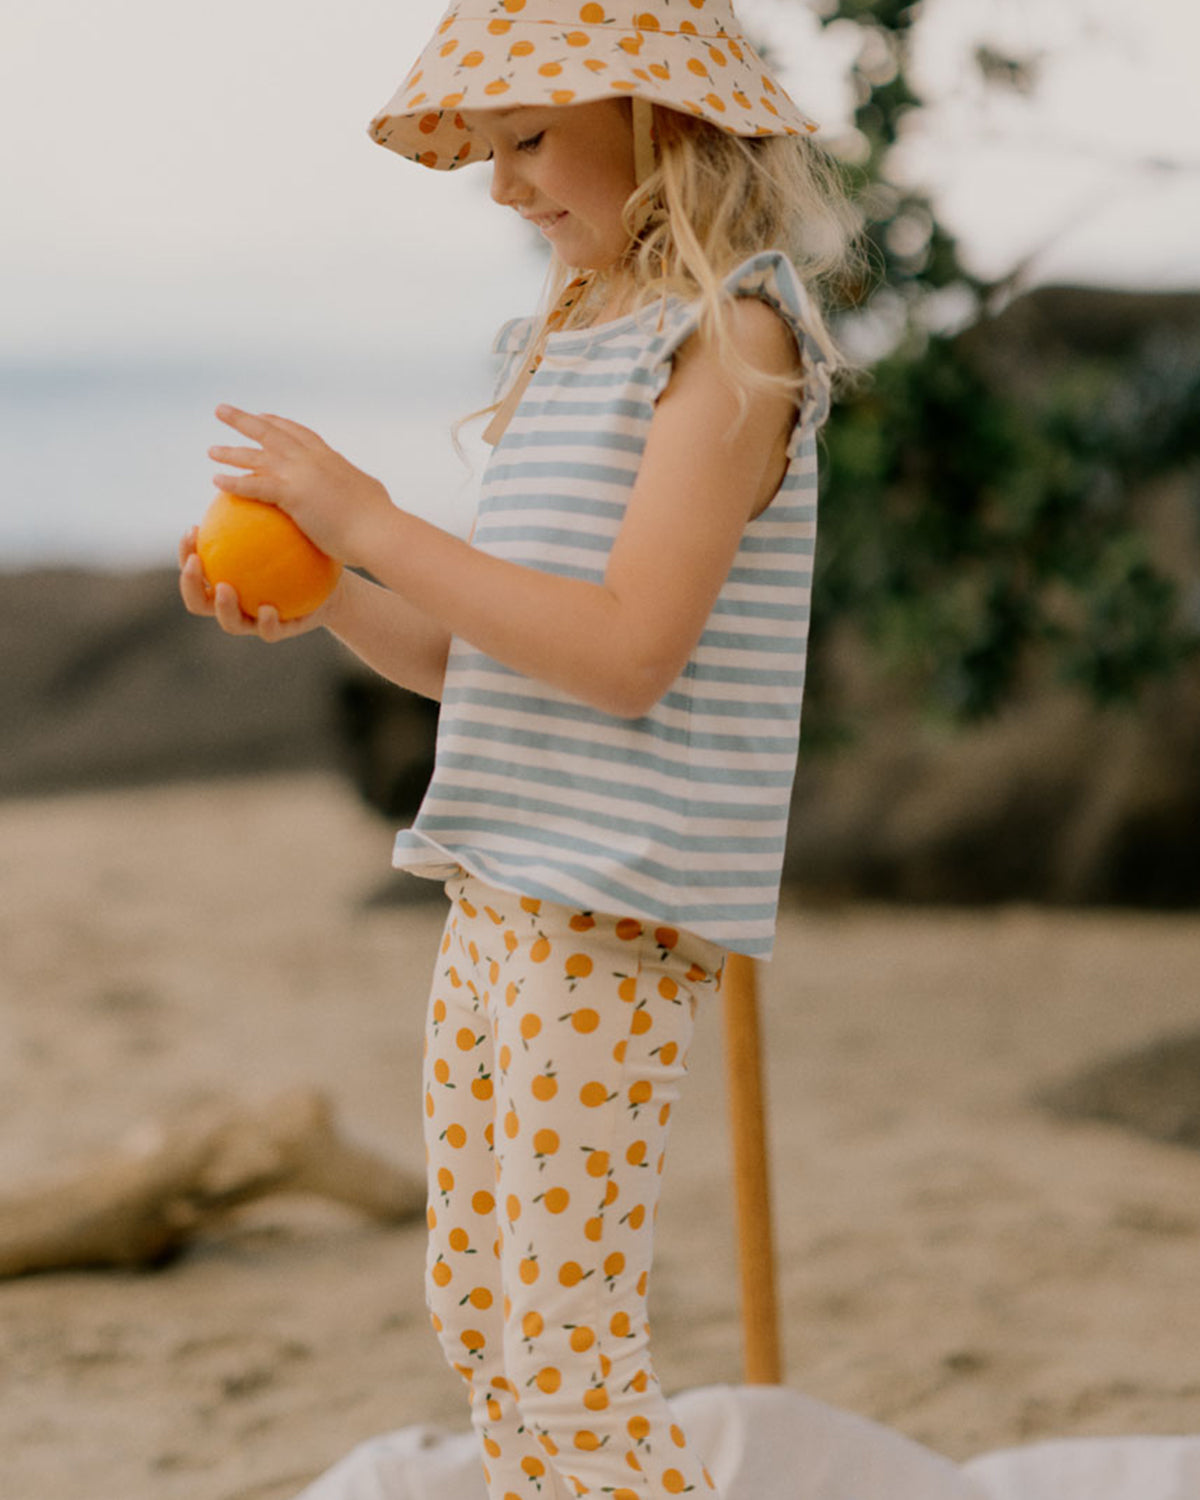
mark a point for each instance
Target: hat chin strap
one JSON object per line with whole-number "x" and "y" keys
{"x": 643, "y": 139}
{"x": 503, "y": 414}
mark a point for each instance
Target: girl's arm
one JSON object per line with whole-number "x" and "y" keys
{"x": 382, "y": 629}
{"x": 386, "y": 632}
{"x": 617, "y": 645}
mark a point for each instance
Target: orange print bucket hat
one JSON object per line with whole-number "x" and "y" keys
{"x": 687, "y": 55}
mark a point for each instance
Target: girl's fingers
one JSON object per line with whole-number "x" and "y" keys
{"x": 266, "y": 427}
{"x": 228, "y": 611}
{"x": 195, "y": 595}
{"x": 243, "y": 421}
{"x": 222, "y": 604}
{"x": 260, "y": 429}
{"x": 240, "y": 458}
{"x": 270, "y": 627}
{"x": 303, "y": 435}
{"x": 249, "y": 486}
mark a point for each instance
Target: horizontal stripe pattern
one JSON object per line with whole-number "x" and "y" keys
{"x": 680, "y": 816}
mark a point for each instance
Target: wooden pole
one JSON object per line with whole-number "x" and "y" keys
{"x": 747, "y": 1118}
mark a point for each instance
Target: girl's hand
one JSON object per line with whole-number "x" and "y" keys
{"x": 330, "y": 500}
{"x": 221, "y": 604}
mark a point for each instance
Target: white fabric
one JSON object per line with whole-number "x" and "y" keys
{"x": 1118, "y": 1468}
{"x": 759, "y": 1442}
{"x": 771, "y": 1443}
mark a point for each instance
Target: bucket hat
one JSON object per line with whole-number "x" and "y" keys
{"x": 687, "y": 55}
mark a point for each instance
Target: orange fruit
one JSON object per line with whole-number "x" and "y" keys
{"x": 261, "y": 551}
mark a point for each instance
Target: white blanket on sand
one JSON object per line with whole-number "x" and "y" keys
{"x": 771, "y": 1443}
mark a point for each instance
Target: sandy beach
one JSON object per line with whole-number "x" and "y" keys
{"x": 955, "y": 1260}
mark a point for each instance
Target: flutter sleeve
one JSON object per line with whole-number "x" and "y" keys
{"x": 771, "y": 277}
{"x": 510, "y": 344}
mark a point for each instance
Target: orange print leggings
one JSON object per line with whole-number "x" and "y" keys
{"x": 556, "y": 1044}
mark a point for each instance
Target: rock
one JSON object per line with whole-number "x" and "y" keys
{"x": 1154, "y": 1090}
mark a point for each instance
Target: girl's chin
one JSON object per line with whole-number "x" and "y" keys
{"x": 579, "y": 259}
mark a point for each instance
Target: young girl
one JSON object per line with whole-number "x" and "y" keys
{"x": 619, "y": 652}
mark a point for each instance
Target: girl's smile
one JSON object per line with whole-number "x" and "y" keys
{"x": 568, "y": 171}
{"x": 544, "y": 222}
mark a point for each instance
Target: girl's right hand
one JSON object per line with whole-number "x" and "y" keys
{"x": 221, "y": 604}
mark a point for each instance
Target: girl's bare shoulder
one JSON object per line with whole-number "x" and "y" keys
{"x": 755, "y": 333}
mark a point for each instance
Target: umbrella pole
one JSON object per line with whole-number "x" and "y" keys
{"x": 747, "y": 1119}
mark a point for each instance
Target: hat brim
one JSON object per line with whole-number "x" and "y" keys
{"x": 489, "y": 63}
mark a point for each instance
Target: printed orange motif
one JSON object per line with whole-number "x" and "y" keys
{"x": 509, "y": 50}
{"x": 554, "y": 1338}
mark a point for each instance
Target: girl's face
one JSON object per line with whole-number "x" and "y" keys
{"x": 568, "y": 170}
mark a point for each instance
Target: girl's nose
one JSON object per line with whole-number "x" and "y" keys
{"x": 507, "y": 188}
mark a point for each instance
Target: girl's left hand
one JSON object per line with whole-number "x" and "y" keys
{"x": 330, "y": 500}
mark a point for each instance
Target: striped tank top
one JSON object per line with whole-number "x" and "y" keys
{"x": 680, "y": 816}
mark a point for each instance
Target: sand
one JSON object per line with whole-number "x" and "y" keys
{"x": 954, "y": 1260}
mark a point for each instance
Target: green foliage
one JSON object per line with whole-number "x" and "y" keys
{"x": 964, "y": 528}
{"x": 968, "y": 530}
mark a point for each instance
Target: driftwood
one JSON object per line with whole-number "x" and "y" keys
{"x": 140, "y": 1206}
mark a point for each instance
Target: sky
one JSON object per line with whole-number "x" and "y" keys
{"x": 193, "y": 212}
{"x": 199, "y": 177}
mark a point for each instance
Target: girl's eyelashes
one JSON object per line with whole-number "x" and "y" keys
{"x": 532, "y": 142}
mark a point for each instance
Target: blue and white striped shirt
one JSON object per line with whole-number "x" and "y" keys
{"x": 680, "y": 816}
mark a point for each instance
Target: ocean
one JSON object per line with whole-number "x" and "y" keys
{"x": 106, "y": 465}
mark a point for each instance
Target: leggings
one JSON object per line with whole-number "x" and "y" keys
{"x": 556, "y": 1043}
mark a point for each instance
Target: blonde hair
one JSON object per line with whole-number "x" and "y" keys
{"x": 713, "y": 200}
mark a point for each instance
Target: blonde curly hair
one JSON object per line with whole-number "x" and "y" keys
{"x": 713, "y": 200}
